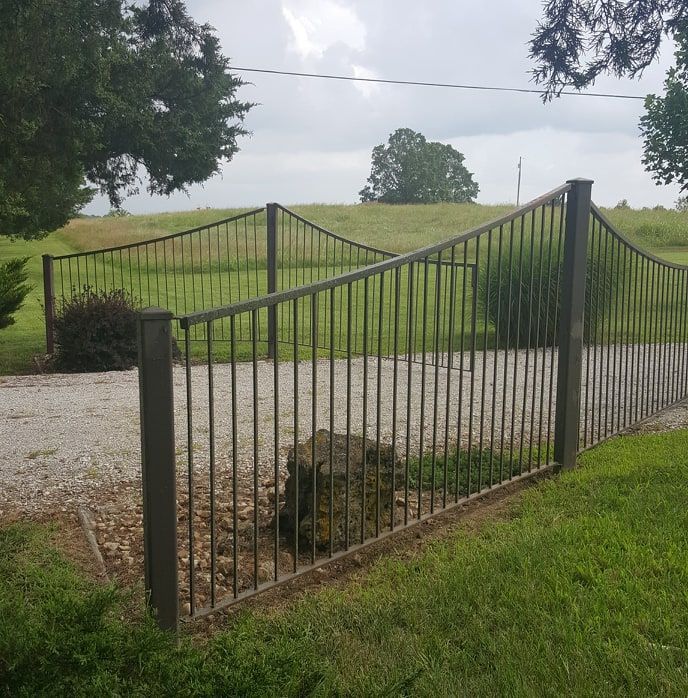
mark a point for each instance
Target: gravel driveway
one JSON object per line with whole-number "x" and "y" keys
{"x": 71, "y": 439}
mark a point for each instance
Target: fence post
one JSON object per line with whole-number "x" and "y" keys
{"x": 271, "y": 210}
{"x": 49, "y": 303}
{"x": 569, "y": 369}
{"x": 158, "y": 464}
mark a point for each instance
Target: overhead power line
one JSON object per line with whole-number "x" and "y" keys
{"x": 450, "y": 85}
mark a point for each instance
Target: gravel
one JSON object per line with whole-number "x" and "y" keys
{"x": 74, "y": 439}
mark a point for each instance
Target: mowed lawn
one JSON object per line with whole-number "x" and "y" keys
{"x": 579, "y": 589}
{"x": 395, "y": 228}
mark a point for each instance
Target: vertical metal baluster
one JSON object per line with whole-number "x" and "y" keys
{"x": 488, "y": 272}
{"x": 459, "y": 424}
{"x": 635, "y": 338}
{"x": 297, "y": 465}
{"x": 219, "y": 266}
{"x": 555, "y": 327}
{"x": 409, "y": 383}
{"x": 625, "y": 313}
{"x": 495, "y": 360}
{"x": 190, "y": 473}
{"x": 314, "y": 417}
{"x": 546, "y": 336}
{"x": 254, "y": 366}
{"x": 436, "y": 342}
{"x": 423, "y": 366}
{"x": 604, "y": 366}
{"x": 164, "y": 272}
{"x": 365, "y": 409}
{"x": 656, "y": 336}
{"x": 682, "y": 344}
{"x": 449, "y": 367}
{"x": 474, "y": 330}
{"x": 276, "y": 436}
{"x": 531, "y": 263}
{"x": 347, "y": 487}
{"x": 675, "y": 324}
{"x": 507, "y": 344}
{"x": 536, "y": 346}
{"x": 332, "y": 386}
{"x": 647, "y": 336}
{"x": 516, "y": 347}
{"x": 395, "y": 390}
{"x": 614, "y": 301}
{"x": 211, "y": 447}
{"x": 378, "y": 406}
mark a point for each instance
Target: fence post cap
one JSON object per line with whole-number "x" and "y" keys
{"x": 580, "y": 180}
{"x": 155, "y": 314}
{"x": 47, "y": 256}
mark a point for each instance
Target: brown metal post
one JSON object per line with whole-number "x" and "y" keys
{"x": 271, "y": 210}
{"x": 49, "y": 303}
{"x": 569, "y": 369}
{"x": 158, "y": 464}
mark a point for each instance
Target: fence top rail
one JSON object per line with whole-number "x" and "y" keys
{"x": 329, "y": 233}
{"x": 420, "y": 255}
{"x": 631, "y": 245}
{"x": 152, "y": 241}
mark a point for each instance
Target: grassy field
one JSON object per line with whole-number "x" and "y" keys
{"x": 396, "y": 228}
{"x": 580, "y": 590}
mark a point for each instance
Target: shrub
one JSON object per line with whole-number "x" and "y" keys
{"x": 13, "y": 289}
{"x": 540, "y": 263}
{"x": 96, "y": 331}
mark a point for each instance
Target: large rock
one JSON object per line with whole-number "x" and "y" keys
{"x": 303, "y": 463}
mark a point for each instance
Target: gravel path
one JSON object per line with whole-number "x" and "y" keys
{"x": 71, "y": 439}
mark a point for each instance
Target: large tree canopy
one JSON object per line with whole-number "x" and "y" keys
{"x": 579, "y": 40}
{"x": 95, "y": 93}
{"x": 409, "y": 169}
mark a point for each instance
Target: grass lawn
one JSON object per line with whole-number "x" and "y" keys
{"x": 397, "y": 228}
{"x": 580, "y": 591}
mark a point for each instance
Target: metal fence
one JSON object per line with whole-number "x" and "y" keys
{"x": 367, "y": 417}
{"x": 246, "y": 256}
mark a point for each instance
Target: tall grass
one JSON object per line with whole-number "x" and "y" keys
{"x": 520, "y": 294}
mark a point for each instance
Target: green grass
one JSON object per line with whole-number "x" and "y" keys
{"x": 580, "y": 591}
{"x": 397, "y": 228}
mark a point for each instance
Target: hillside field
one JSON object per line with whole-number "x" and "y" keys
{"x": 395, "y": 228}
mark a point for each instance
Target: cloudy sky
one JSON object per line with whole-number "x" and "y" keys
{"x": 311, "y": 139}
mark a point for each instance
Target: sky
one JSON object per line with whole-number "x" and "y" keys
{"x": 311, "y": 139}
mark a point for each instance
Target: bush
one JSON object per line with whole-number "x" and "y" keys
{"x": 96, "y": 331}
{"x": 543, "y": 294}
{"x": 13, "y": 289}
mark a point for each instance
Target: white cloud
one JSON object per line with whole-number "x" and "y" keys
{"x": 317, "y": 25}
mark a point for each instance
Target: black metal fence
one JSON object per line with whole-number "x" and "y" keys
{"x": 397, "y": 387}
{"x": 246, "y": 256}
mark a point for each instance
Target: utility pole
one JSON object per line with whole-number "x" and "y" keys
{"x": 518, "y": 188}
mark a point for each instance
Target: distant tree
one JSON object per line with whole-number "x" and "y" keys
{"x": 100, "y": 92}
{"x": 579, "y": 40}
{"x": 409, "y": 169}
{"x": 623, "y": 204}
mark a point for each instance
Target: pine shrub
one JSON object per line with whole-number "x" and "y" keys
{"x": 13, "y": 289}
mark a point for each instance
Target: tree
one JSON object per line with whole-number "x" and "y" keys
{"x": 579, "y": 40}
{"x": 682, "y": 204}
{"x": 96, "y": 93}
{"x": 410, "y": 170}
{"x": 13, "y": 289}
